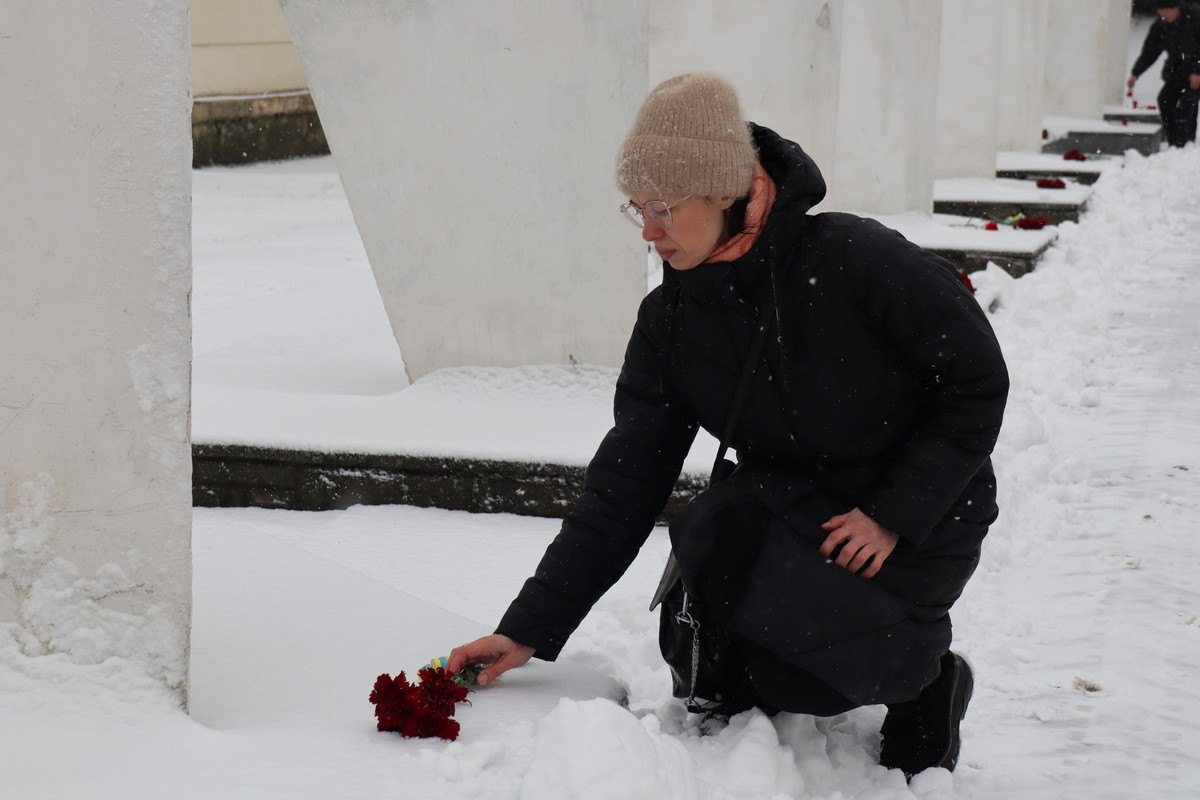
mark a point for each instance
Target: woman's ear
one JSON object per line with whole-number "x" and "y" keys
{"x": 726, "y": 202}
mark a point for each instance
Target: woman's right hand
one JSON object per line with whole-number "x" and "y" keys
{"x": 498, "y": 651}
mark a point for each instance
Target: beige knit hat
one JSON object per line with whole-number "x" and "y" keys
{"x": 689, "y": 138}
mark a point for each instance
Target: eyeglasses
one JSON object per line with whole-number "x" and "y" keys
{"x": 657, "y": 210}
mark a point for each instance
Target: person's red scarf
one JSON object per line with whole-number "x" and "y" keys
{"x": 762, "y": 197}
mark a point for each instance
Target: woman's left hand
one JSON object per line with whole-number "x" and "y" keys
{"x": 865, "y": 543}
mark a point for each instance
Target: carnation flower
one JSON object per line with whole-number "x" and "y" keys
{"x": 1074, "y": 155}
{"x": 441, "y": 692}
{"x": 1051, "y": 183}
{"x": 422, "y": 710}
{"x": 1033, "y": 223}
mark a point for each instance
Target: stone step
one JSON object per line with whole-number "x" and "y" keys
{"x": 1004, "y": 198}
{"x": 236, "y": 476}
{"x": 1122, "y": 114}
{"x": 969, "y": 246}
{"x": 1100, "y": 136}
{"x": 263, "y": 127}
{"x": 1031, "y": 166}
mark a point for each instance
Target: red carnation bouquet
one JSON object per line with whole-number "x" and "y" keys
{"x": 1032, "y": 223}
{"x": 1051, "y": 183}
{"x": 424, "y": 709}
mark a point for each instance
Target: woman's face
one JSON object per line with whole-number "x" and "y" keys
{"x": 697, "y": 228}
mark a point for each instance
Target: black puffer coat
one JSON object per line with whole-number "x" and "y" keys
{"x": 1181, "y": 40}
{"x": 884, "y": 387}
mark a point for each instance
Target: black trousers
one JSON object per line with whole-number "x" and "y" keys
{"x": 1177, "y": 106}
{"x": 816, "y": 639}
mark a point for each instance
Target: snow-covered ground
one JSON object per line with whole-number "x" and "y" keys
{"x": 1083, "y": 621}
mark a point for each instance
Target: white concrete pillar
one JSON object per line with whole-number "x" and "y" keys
{"x": 95, "y": 215}
{"x": 476, "y": 143}
{"x": 887, "y": 106}
{"x": 1117, "y": 51}
{"x": 968, "y": 89}
{"x": 1022, "y": 74}
{"x": 1077, "y": 54}
{"x": 797, "y": 96}
{"x": 853, "y": 81}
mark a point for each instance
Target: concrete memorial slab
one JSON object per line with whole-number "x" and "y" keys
{"x": 1001, "y": 198}
{"x": 969, "y": 246}
{"x": 1119, "y": 113}
{"x": 95, "y": 496}
{"x": 1028, "y": 165}
{"x": 1099, "y": 136}
{"x": 476, "y": 146}
{"x": 243, "y": 645}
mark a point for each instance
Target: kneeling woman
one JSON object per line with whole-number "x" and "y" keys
{"x": 872, "y": 397}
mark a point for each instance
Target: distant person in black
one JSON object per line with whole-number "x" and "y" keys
{"x": 1177, "y": 31}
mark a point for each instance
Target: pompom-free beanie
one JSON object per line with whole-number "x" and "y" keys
{"x": 688, "y": 138}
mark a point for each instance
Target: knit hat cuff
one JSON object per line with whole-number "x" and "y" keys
{"x": 677, "y": 166}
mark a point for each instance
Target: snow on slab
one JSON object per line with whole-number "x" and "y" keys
{"x": 1061, "y": 126}
{"x": 1030, "y": 161}
{"x": 554, "y": 414}
{"x": 953, "y": 232}
{"x": 266, "y": 608}
{"x": 1007, "y": 190}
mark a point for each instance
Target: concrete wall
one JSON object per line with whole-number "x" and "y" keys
{"x": 95, "y": 494}
{"x": 797, "y": 95}
{"x": 1078, "y": 49}
{"x": 242, "y": 47}
{"x": 853, "y": 81}
{"x": 887, "y": 108}
{"x": 968, "y": 89}
{"x": 1022, "y": 74}
{"x": 1116, "y": 51}
{"x": 477, "y": 145}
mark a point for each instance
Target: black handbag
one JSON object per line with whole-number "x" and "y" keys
{"x": 703, "y": 660}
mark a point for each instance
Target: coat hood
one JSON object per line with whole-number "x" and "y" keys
{"x": 798, "y": 181}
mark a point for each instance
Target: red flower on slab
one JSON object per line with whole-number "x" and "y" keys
{"x": 1135, "y": 103}
{"x": 1051, "y": 183}
{"x": 1074, "y": 155}
{"x": 966, "y": 281}
{"x": 1032, "y": 223}
{"x": 1045, "y": 133}
{"x": 441, "y": 692}
{"x": 991, "y": 226}
{"x": 422, "y": 710}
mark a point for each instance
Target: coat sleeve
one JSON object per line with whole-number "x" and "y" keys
{"x": 626, "y": 486}
{"x": 1192, "y": 47}
{"x": 1152, "y": 47}
{"x": 918, "y": 303}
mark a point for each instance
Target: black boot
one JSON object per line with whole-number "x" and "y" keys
{"x": 923, "y": 733}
